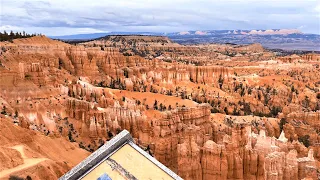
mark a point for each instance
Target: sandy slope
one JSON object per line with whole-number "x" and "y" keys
{"x": 28, "y": 162}
{"x": 43, "y": 157}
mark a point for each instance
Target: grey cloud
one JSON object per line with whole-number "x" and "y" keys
{"x": 159, "y": 15}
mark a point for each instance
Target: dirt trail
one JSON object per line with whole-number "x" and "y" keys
{"x": 28, "y": 162}
{"x": 20, "y": 149}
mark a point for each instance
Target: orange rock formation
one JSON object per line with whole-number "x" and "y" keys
{"x": 205, "y": 111}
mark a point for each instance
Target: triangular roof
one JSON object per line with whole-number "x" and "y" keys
{"x": 120, "y": 157}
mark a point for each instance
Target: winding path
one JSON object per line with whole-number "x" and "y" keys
{"x": 27, "y": 163}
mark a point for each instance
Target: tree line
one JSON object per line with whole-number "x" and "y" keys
{"x": 5, "y": 36}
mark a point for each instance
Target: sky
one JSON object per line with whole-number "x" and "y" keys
{"x": 65, "y": 17}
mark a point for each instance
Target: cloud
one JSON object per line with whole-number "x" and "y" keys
{"x": 75, "y": 16}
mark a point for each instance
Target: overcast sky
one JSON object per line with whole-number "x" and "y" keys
{"x": 64, "y": 17}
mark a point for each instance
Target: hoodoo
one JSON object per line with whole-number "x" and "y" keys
{"x": 206, "y": 111}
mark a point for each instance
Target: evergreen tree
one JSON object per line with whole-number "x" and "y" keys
{"x": 155, "y": 105}
{"x": 9, "y": 37}
{"x": 220, "y": 81}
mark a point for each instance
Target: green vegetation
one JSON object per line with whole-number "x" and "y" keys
{"x": 4, "y": 110}
{"x": 282, "y": 123}
{"x": 305, "y": 140}
{"x": 4, "y": 36}
{"x": 220, "y": 81}
{"x": 16, "y": 178}
{"x": 27, "y": 76}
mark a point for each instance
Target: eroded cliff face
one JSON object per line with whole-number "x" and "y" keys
{"x": 238, "y": 154}
{"x": 206, "y": 112}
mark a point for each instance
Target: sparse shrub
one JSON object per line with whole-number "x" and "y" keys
{"x": 15, "y": 178}
{"x": 155, "y": 105}
{"x": 110, "y": 135}
{"x": 101, "y": 142}
{"x": 275, "y": 111}
{"x": 235, "y": 112}
{"x": 282, "y": 123}
{"x": 306, "y": 102}
{"x": 4, "y": 110}
{"x": 70, "y": 137}
{"x": 246, "y": 108}
{"x": 305, "y": 140}
{"x": 16, "y": 114}
{"x": 220, "y": 81}
{"x": 226, "y": 111}
{"x": 60, "y": 63}
{"x": 249, "y": 91}
{"x": 82, "y": 146}
{"x": 242, "y": 92}
{"x": 215, "y": 110}
{"x": 27, "y": 76}
{"x": 126, "y": 73}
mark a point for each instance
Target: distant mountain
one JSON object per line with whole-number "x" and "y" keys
{"x": 288, "y": 39}
{"x": 294, "y": 41}
{"x": 80, "y": 36}
{"x": 99, "y": 35}
{"x": 242, "y": 32}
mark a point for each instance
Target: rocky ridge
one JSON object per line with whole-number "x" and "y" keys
{"x": 229, "y": 112}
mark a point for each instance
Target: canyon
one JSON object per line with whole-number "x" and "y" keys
{"x": 206, "y": 111}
